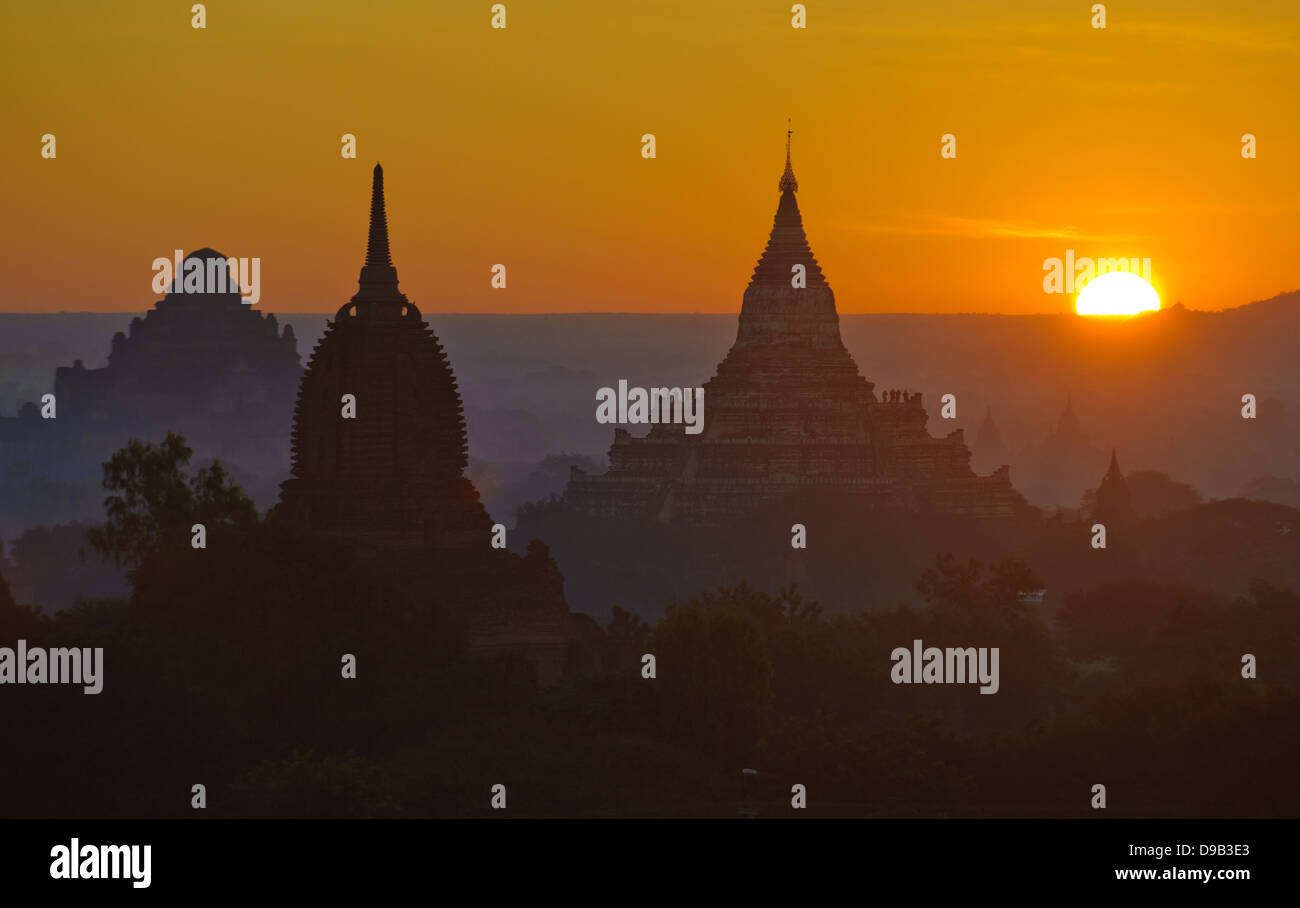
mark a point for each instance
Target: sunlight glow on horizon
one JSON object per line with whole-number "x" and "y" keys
{"x": 503, "y": 165}
{"x": 1117, "y": 293}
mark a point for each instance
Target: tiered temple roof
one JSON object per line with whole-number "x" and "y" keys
{"x": 786, "y": 410}
{"x": 209, "y": 352}
{"x": 204, "y": 364}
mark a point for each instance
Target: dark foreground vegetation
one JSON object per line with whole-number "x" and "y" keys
{"x": 222, "y": 668}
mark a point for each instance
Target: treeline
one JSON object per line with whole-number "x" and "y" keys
{"x": 223, "y": 668}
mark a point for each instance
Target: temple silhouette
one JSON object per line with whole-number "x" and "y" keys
{"x": 205, "y": 365}
{"x": 786, "y": 411}
{"x": 989, "y": 451}
{"x": 389, "y": 478}
{"x": 393, "y": 475}
{"x": 1114, "y": 503}
{"x": 1058, "y": 470}
{"x": 206, "y": 357}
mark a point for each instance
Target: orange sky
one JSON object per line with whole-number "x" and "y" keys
{"x": 522, "y": 147}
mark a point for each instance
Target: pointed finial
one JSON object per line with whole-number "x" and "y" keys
{"x": 788, "y": 182}
{"x": 1113, "y": 472}
{"x": 377, "y": 247}
{"x": 378, "y": 282}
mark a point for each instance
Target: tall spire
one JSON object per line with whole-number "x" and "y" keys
{"x": 788, "y": 182}
{"x": 788, "y": 301}
{"x": 377, "y": 249}
{"x": 788, "y": 244}
{"x": 378, "y": 281}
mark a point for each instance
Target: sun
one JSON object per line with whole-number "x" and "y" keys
{"x": 1117, "y": 293}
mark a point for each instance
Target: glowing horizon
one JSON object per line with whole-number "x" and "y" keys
{"x": 523, "y": 147}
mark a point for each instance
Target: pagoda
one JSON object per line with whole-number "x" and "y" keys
{"x": 788, "y": 411}
{"x": 207, "y": 365}
{"x": 1114, "y": 504}
{"x": 989, "y": 450}
{"x": 379, "y": 445}
{"x": 379, "y": 453}
{"x": 1056, "y": 471}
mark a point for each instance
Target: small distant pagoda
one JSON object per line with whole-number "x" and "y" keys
{"x": 1114, "y": 504}
{"x": 786, "y": 411}
{"x": 1056, "y": 471}
{"x": 989, "y": 451}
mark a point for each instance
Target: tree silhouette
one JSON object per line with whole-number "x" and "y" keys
{"x": 155, "y": 502}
